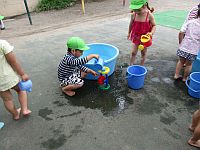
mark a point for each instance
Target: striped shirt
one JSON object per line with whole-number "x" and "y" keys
{"x": 71, "y": 65}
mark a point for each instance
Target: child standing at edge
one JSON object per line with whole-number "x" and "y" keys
{"x": 71, "y": 69}
{"x": 10, "y": 75}
{"x": 189, "y": 46}
{"x": 142, "y": 22}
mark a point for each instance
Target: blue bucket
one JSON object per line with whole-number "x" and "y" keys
{"x": 108, "y": 53}
{"x": 196, "y": 64}
{"x": 194, "y": 85}
{"x": 136, "y": 76}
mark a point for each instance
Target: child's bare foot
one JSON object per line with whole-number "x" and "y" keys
{"x": 191, "y": 128}
{"x": 194, "y": 143}
{"x": 176, "y": 77}
{"x": 26, "y": 113}
{"x": 69, "y": 93}
{"x": 184, "y": 80}
{"x": 17, "y": 117}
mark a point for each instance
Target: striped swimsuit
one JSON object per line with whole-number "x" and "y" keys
{"x": 69, "y": 70}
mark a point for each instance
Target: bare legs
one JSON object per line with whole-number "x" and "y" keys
{"x": 134, "y": 53}
{"x": 195, "y": 127}
{"x": 9, "y": 105}
{"x": 180, "y": 65}
{"x": 22, "y": 96}
{"x": 69, "y": 89}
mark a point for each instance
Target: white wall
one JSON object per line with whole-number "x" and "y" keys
{"x": 10, "y": 8}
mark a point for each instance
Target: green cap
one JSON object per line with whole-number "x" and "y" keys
{"x": 1, "y": 17}
{"x": 137, "y": 4}
{"x": 77, "y": 43}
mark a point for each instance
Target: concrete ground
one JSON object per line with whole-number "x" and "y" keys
{"x": 154, "y": 118}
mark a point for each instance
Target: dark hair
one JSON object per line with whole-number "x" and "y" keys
{"x": 69, "y": 50}
{"x": 198, "y": 13}
{"x": 151, "y": 9}
{"x": 199, "y": 6}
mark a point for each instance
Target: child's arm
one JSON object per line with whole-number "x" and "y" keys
{"x": 153, "y": 23}
{"x": 180, "y": 37}
{"x": 130, "y": 25}
{"x": 80, "y": 61}
{"x": 11, "y": 59}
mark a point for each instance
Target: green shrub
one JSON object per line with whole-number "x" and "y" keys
{"x": 54, "y": 4}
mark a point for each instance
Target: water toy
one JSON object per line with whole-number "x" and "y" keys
{"x": 25, "y": 85}
{"x": 103, "y": 78}
{"x": 146, "y": 41}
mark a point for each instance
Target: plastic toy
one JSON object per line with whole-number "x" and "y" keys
{"x": 103, "y": 78}
{"x": 25, "y": 85}
{"x": 146, "y": 41}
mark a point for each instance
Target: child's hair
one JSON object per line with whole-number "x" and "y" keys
{"x": 151, "y": 9}
{"x": 70, "y": 50}
{"x": 198, "y": 13}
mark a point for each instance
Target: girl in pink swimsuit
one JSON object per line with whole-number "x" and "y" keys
{"x": 142, "y": 22}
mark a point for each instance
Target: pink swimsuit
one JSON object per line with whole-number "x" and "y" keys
{"x": 139, "y": 28}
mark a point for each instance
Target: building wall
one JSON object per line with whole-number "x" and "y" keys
{"x": 10, "y": 8}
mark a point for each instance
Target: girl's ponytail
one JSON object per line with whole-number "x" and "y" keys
{"x": 151, "y": 9}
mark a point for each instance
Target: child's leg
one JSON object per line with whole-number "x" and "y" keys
{"x": 8, "y": 102}
{"x": 179, "y": 66}
{"x": 22, "y": 96}
{"x": 187, "y": 69}
{"x": 143, "y": 56}
{"x": 195, "y": 140}
{"x": 195, "y": 120}
{"x": 69, "y": 89}
{"x": 133, "y": 54}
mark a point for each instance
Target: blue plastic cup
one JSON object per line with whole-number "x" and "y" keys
{"x": 99, "y": 64}
{"x": 25, "y": 85}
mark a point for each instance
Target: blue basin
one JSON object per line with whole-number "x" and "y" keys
{"x": 107, "y": 52}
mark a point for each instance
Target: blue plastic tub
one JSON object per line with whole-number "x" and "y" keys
{"x": 136, "y": 76}
{"x": 194, "y": 85}
{"x": 107, "y": 52}
{"x": 196, "y": 64}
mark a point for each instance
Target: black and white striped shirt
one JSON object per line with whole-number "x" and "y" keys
{"x": 70, "y": 65}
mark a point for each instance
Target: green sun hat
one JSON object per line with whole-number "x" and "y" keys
{"x": 1, "y": 17}
{"x": 77, "y": 43}
{"x": 137, "y": 4}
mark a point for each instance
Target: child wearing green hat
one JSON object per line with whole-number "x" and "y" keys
{"x": 71, "y": 69}
{"x": 142, "y": 22}
{"x": 2, "y": 27}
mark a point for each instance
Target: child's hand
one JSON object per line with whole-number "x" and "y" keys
{"x": 128, "y": 36}
{"x": 96, "y": 56}
{"x": 92, "y": 72}
{"x": 25, "y": 77}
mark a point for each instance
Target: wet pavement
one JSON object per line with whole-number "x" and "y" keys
{"x": 153, "y": 118}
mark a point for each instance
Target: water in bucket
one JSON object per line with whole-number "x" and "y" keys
{"x": 136, "y": 76}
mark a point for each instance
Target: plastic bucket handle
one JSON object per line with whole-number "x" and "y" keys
{"x": 190, "y": 87}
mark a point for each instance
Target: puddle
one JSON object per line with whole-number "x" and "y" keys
{"x": 44, "y": 113}
{"x": 90, "y": 96}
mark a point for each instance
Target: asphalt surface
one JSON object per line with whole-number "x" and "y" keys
{"x": 153, "y": 118}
